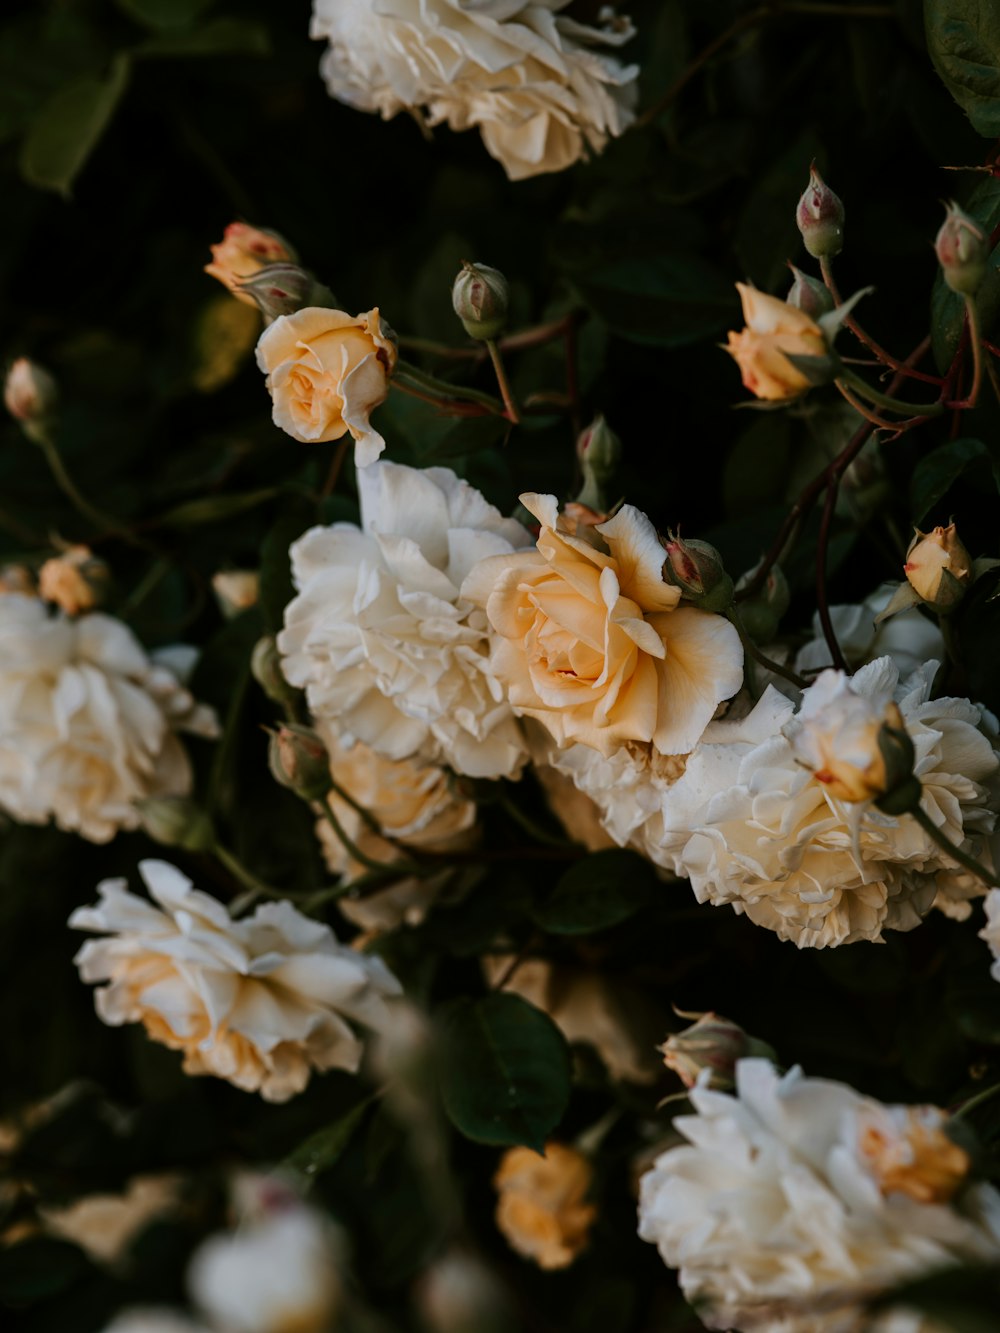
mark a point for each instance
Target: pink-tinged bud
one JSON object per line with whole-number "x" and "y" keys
{"x": 480, "y": 296}
{"x": 298, "y": 759}
{"x": 809, "y": 295}
{"x": 599, "y": 450}
{"x": 283, "y": 289}
{"x": 697, "y": 569}
{"x": 30, "y": 393}
{"x": 75, "y": 581}
{"x": 712, "y": 1043}
{"x": 820, "y": 218}
{"x": 963, "y": 251}
{"x": 244, "y": 250}
{"x": 236, "y": 590}
{"x": 938, "y": 567}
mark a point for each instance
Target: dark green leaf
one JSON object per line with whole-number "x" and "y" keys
{"x": 504, "y": 1070}
{"x": 221, "y": 37}
{"x": 38, "y": 1269}
{"x": 215, "y": 507}
{"x": 756, "y": 472}
{"x": 963, "y": 40}
{"x": 976, "y": 1010}
{"x": 597, "y": 892}
{"x": 322, "y": 1150}
{"x": 164, "y": 13}
{"x": 935, "y": 474}
{"x": 69, "y": 127}
{"x": 666, "y": 300}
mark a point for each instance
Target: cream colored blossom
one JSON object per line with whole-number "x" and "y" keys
{"x": 73, "y": 580}
{"x": 382, "y": 639}
{"x": 150, "y": 1319}
{"x": 243, "y": 251}
{"x": 773, "y": 330}
{"x": 909, "y": 638}
{"x": 594, "y": 645}
{"x": 796, "y": 1199}
{"x": 106, "y": 1224}
{"x": 414, "y": 804}
{"x": 261, "y": 1001}
{"x": 541, "y": 1209}
{"x": 991, "y": 931}
{"x": 837, "y": 734}
{"x": 540, "y": 86}
{"x": 236, "y": 590}
{"x": 88, "y": 720}
{"x": 326, "y": 372}
{"x": 276, "y": 1273}
{"x": 938, "y": 567}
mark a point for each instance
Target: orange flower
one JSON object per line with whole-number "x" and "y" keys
{"x": 774, "y": 330}
{"x": 541, "y": 1209}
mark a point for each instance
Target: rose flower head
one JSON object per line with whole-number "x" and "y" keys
{"x": 938, "y": 567}
{"x": 963, "y": 251}
{"x": 243, "y": 251}
{"x": 541, "y": 1208}
{"x": 594, "y": 644}
{"x": 775, "y": 331}
{"x": 327, "y": 371}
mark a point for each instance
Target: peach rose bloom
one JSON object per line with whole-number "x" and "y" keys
{"x": 243, "y": 251}
{"x": 541, "y": 1210}
{"x": 773, "y": 328}
{"x": 593, "y": 643}
{"x": 326, "y": 371}
{"x": 930, "y": 557}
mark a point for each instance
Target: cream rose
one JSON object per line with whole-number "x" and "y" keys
{"x": 326, "y": 372}
{"x": 593, "y": 643}
{"x": 909, "y": 638}
{"x": 541, "y": 1209}
{"x": 773, "y": 328}
{"x": 261, "y": 1001}
{"x": 540, "y": 86}
{"x": 795, "y": 1200}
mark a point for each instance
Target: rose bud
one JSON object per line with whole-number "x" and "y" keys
{"x": 30, "y": 394}
{"x": 963, "y": 251}
{"x": 480, "y": 296}
{"x": 809, "y": 295}
{"x": 175, "y": 821}
{"x": 75, "y": 581}
{"x": 697, "y": 569}
{"x": 762, "y": 612}
{"x": 244, "y": 250}
{"x": 298, "y": 759}
{"x": 236, "y": 590}
{"x": 820, "y": 218}
{"x": 713, "y": 1043}
{"x": 265, "y": 667}
{"x": 541, "y": 1210}
{"x": 938, "y": 567}
{"x": 599, "y": 449}
{"x": 775, "y": 332}
{"x": 283, "y": 289}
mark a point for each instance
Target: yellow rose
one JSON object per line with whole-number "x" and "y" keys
{"x": 592, "y": 642}
{"x": 245, "y": 250}
{"x": 327, "y": 371}
{"x": 938, "y": 566}
{"x": 541, "y": 1210}
{"x": 773, "y": 329}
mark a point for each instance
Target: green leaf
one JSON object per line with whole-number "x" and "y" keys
{"x": 597, "y": 892}
{"x": 935, "y": 474}
{"x": 963, "y": 41}
{"x": 214, "y": 507}
{"x": 164, "y": 13}
{"x": 222, "y": 37}
{"x": 322, "y": 1150}
{"x": 976, "y": 1010}
{"x": 504, "y": 1070}
{"x": 666, "y": 300}
{"x": 36, "y": 1270}
{"x": 756, "y": 472}
{"x": 69, "y": 127}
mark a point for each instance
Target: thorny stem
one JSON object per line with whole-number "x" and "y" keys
{"x": 451, "y": 409}
{"x": 976, "y": 338}
{"x": 68, "y": 487}
{"x": 879, "y": 422}
{"x": 893, "y": 404}
{"x": 975, "y": 1102}
{"x": 513, "y": 342}
{"x": 887, "y": 359}
{"x": 503, "y": 381}
{"x": 256, "y": 888}
{"x": 445, "y": 389}
{"x": 768, "y": 663}
{"x": 945, "y": 843}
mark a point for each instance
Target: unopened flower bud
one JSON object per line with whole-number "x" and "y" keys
{"x": 265, "y": 667}
{"x": 283, "y": 289}
{"x": 820, "y": 218}
{"x": 697, "y": 569}
{"x": 713, "y": 1043}
{"x": 298, "y": 759}
{"x": 762, "y": 612}
{"x": 809, "y": 295}
{"x": 599, "y": 449}
{"x": 75, "y": 581}
{"x": 963, "y": 251}
{"x": 480, "y": 296}
{"x": 30, "y": 395}
{"x": 938, "y": 567}
{"x": 902, "y": 786}
{"x": 244, "y": 250}
{"x": 236, "y": 590}
{"x": 175, "y": 821}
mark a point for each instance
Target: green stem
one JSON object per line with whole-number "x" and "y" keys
{"x": 355, "y": 852}
{"x": 893, "y": 404}
{"x": 976, "y": 1101}
{"x": 503, "y": 381}
{"x": 530, "y": 827}
{"x": 66, "y": 484}
{"x": 963, "y": 858}
{"x": 224, "y": 750}
{"x": 256, "y": 888}
{"x": 760, "y": 658}
{"x": 444, "y": 389}
{"x": 976, "y": 338}
{"x": 362, "y": 887}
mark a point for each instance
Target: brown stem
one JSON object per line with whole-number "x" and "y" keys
{"x": 503, "y": 382}
{"x": 887, "y": 359}
{"x": 447, "y": 407}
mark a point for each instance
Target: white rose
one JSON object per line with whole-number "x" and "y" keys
{"x": 540, "y": 86}
{"x": 149, "y": 1319}
{"x": 991, "y": 931}
{"x": 387, "y": 649}
{"x": 88, "y": 720}
{"x": 909, "y": 638}
{"x": 260, "y": 1001}
{"x": 796, "y": 1199}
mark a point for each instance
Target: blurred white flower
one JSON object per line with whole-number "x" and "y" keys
{"x": 909, "y": 638}
{"x": 750, "y": 826}
{"x": 991, "y": 931}
{"x": 106, "y": 1224}
{"x": 380, "y": 638}
{"x": 796, "y": 1199}
{"x": 540, "y": 86}
{"x": 275, "y": 1273}
{"x": 259, "y": 1001}
{"x": 88, "y": 720}
{"x": 151, "y": 1319}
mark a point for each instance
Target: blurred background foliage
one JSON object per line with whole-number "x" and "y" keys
{"x": 131, "y": 133}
